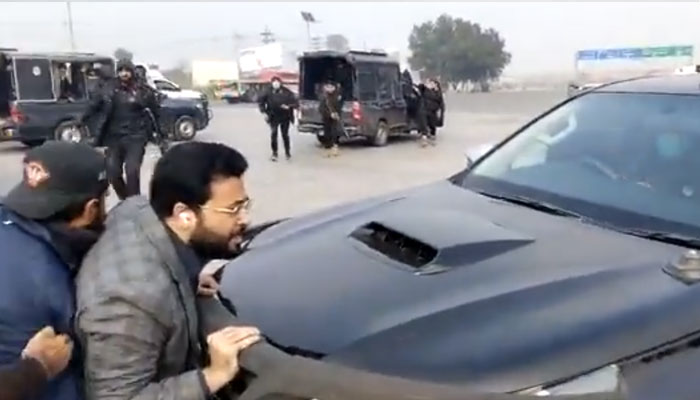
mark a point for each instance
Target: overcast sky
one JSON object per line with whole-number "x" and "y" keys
{"x": 542, "y": 36}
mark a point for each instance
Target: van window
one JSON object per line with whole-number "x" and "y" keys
{"x": 367, "y": 84}
{"x": 389, "y": 87}
{"x": 6, "y": 92}
{"x": 317, "y": 70}
{"x": 33, "y": 79}
{"x": 166, "y": 86}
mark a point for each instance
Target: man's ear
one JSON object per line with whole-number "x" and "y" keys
{"x": 184, "y": 216}
{"x": 92, "y": 210}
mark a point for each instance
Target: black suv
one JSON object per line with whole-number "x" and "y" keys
{"x": 370, "y": 82}
{"x": 43, "y": 95}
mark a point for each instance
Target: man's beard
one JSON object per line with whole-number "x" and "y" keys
{"x": 210, "y": 246}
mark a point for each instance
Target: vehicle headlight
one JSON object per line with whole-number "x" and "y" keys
{"x": 604, "y": 380}
{"x": 200, "y": 105}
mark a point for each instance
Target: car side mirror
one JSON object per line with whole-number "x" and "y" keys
{"x": 474, "y": 154}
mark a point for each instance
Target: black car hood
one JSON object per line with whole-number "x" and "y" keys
{"x": 460, "y": 289}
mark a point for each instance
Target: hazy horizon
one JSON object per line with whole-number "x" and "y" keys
{"x": 541, "y": 36}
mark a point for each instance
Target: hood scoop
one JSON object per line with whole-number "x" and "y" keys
{"x": 433, "y": 241}
{"x": 395, "y": 245}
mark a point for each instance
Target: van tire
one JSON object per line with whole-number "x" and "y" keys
{"x": 381, "y": 136}
{"x": 65, "y": 132}
{"x": 185, "y": 128}
{"x": 32, "y": 142}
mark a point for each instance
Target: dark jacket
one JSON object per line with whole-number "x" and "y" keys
{"x": 36, "y": 290}
{"x": 330, "y": 103}
{"x": 434, "y": 105}
{"x": 25, "y": 379}
{"x": 123, "y": 107}
{"x": 271, "y": 103}
{"x": 137, "y": 316}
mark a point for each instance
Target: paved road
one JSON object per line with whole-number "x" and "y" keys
{"x": 310, "y": 181}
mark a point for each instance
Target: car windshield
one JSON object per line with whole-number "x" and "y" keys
{"x": 626, "y": 160}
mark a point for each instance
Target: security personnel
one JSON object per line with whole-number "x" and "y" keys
{"x": 278, "y": 104}
{"x": 330, "y": 107}
{"x": 48, "y": 222}
{"x": 434, "y": 105}
{"x": 125, "y": 105}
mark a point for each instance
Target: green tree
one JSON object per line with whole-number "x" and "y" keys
{"x": 337, "y": 42}
{"x": 123, "y": 54}
{"x": 455, "y": 50}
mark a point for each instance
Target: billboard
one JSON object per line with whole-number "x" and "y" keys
{"x": 205, "y": 71}
{"x": 254, "y": 59}
{"x": 635, "y": 53}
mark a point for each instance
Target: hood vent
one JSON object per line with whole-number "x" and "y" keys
{"x": 395, "y": 245}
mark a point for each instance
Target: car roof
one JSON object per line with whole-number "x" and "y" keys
{"x": 59, "y": 56}
{"x": 352, "y": 56}
{"x": 666, "y": 84}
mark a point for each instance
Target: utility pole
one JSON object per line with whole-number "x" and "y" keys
{"x": 309, "y": 19}
{"x": 70, "y": 26}
{"x": 267, "y": 36}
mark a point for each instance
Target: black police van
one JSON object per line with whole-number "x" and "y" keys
{"x": 44, "y": 95}
{"x": 370, "y": 83}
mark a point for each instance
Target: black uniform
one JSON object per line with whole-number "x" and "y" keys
{"x": 125, "y": 129}
{"x": 415, "y": 109}
{"x": 279, "y": 118}
{"x": 330, "y": 107}
{"x": 434, "y": 108}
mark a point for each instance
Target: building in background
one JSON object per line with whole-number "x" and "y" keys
{"x": 257, "y": 65}
{"x": 204, "y": 72}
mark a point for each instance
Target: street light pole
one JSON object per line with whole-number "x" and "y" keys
{"x": 70, "y": 26}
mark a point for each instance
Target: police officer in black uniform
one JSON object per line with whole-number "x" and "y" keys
{"x": 278, "y": 104}
{"x": 331, "y": 108}
{"x": 124, "y": 105}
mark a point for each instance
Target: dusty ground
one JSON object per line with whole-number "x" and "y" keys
{"x": 310, "y": 181}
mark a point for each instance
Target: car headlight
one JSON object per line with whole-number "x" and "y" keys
{"x": 200, "y": 105}
{"x": 603, "y": 380}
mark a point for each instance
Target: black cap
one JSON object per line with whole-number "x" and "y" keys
{"x": 57, "y": 175}
{"x": 125, "y": 63}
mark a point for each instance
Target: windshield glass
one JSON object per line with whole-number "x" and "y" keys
{"x": 631, "y": 161}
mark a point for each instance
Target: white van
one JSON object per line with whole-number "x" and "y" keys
{"x": 167, "y": 87}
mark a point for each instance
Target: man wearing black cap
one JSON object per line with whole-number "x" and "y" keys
{"x": 278, "y": 104}
{"x": 48, "y": 222}
{"x": 128, "y": 128}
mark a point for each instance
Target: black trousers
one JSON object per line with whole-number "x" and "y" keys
{"x": 432, "y": 122}
{"x": 124, "y": 157}
{"x": 332, "y": 129}
{"x": 275, "y": 128}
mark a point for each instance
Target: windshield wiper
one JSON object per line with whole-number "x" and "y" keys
{"x": 534, "y": 204}
{"x": 665, "y": 237}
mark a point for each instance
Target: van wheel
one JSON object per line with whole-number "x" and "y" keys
{"x": 70, "y": 131}
{"x": 185, "y": 128}
{"x": 381, "y": 137}
{"x": 33, "y": 142}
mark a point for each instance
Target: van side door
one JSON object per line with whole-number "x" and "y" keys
{"x": 390, "y": 78}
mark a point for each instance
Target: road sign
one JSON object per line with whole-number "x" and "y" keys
{"x": 635, "y": 53}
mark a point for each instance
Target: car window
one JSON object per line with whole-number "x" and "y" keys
{"x": 367, "y": 83}
{"x": 388, "y": 82}
{"x": 636, "y": 153}
{"x": 167, "y": 86}
{"x": 34, "y": 79}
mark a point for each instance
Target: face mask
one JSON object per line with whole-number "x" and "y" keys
{"x": 669, "y": 146}
{"x": 276, "y": 85}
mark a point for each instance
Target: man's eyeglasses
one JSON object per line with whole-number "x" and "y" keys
{"x": 235, "y": 210}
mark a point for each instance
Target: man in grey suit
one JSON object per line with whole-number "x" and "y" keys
{"x": 136, "y": 313}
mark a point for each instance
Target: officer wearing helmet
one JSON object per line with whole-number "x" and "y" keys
{"x": 129, "y": 110}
